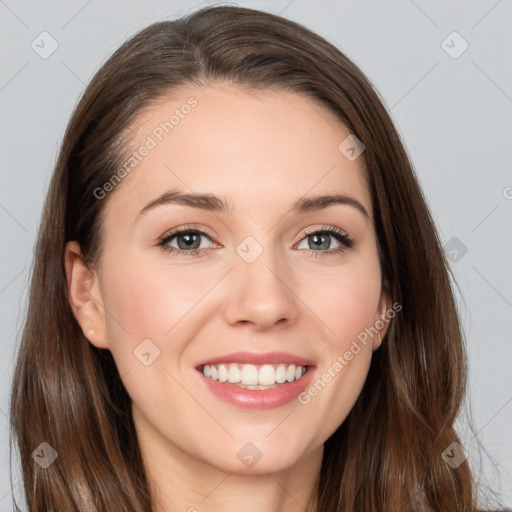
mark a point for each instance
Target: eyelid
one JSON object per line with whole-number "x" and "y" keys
{"x": 185, "y": 229}
{"x": 326, "y": 228}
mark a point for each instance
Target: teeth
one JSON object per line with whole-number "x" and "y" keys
{"x": 281, "y": 374}
{"x": 259, "y": 387}
{"x": 249, "y": 376}
{"x": 223, "y": 373}
{"x": 290, "y": 373}
{"x": 267, "y": 375}
{"x": 235, "y": 375}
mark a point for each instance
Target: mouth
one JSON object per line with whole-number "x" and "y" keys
{"x": 254, "y": 377}
{"x": 256, "y": 381}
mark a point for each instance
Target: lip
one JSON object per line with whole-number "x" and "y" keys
{"x": 259, "y": 358}
{"x": 253, "y": 398}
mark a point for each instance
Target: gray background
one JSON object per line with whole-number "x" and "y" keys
{"x": 454, "y": 115}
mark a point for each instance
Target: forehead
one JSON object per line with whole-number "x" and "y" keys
{"x": 248, "y": 146}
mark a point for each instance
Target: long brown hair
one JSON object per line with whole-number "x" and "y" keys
{"x": 387, "y": 454}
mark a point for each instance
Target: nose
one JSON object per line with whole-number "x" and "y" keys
{"x": 260, "y": 294}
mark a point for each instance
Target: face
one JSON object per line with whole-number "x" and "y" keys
{"x": 260, "y": 268}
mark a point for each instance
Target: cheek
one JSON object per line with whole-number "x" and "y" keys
{"x": 343, "y": 368}
{"x": 149, "y": 304}
{"x": 144, "y": 303}
{"x": 346, "y": 302}
{"x": 337, "y": 387}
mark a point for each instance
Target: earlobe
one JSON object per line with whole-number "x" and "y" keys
{"x": 84, "y": 296}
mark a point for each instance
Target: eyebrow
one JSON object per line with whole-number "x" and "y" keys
{"x": 213, "y": 203}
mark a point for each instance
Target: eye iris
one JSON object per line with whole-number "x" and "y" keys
{"x": 322, "y": 239}
{"x": 192, "y": 241}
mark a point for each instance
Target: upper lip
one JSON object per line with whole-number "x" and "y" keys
{"x": 259, "y": 358}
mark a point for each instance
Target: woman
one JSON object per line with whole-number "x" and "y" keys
{"x": 239, "y": 296}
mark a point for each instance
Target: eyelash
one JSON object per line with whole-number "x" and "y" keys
{"x": 345, "y": 241}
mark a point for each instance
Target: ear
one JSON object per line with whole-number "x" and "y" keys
{"x": 382, "y": 318}
{"x": 84, "y": 296}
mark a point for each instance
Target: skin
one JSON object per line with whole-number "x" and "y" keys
{"x": 262, "y": 152}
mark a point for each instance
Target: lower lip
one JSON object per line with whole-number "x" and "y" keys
{"x": 259, "y": 399}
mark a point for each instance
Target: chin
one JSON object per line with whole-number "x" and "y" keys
{"x": 257, "y": 464}
{"x": 260, "y": 468}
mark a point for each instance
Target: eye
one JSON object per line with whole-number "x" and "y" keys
{"x": 320, "y": 240}
{"x": 191, "y": 241}
{"x": 184, "y": 241}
